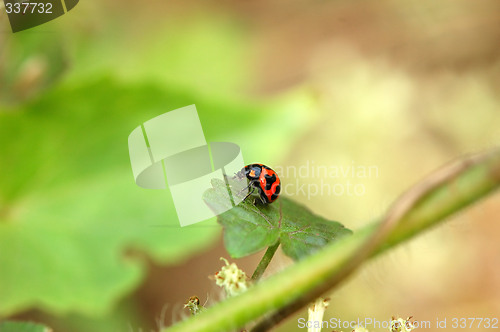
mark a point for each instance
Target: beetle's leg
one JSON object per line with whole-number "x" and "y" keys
{"x": 249, "y": 193}
{"x": 262, "y": 199}
{"x": 246, "y": 188}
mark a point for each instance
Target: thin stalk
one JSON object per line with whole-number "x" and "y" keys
{"x": 264, "y": 262}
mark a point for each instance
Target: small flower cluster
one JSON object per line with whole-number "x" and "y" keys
{"x": 193, "y": 304}
{"x": 316, "y": 312}
{"x": 401, "y": 325}
{"x": 231, "y": 278}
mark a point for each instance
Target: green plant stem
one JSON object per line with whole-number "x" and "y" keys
{"x": 264, "y": 262}
{"x": 281, "y": 294}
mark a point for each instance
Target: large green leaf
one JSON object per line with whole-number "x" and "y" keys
{"x": 249, "y": 228}
{"x": 69, "y": 207}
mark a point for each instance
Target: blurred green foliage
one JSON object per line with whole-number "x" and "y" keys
{"x": 72, "y": 219}
{"x": 30, "y": 62}
{"x": 12, "y": 326}
{"x": 70, "y": 207}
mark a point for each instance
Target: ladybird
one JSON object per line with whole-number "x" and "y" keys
{"x": 262, "y": 178}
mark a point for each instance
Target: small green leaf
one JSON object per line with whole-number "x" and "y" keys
{"x": 11, "y": 326}
{"x": 249, "y": 228}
